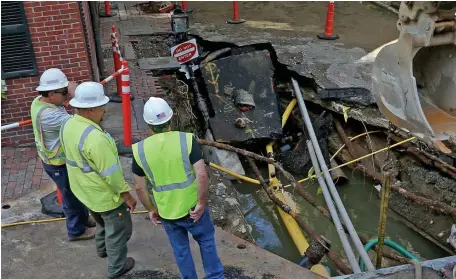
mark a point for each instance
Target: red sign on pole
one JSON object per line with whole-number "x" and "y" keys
{"x": 185, "y": 52}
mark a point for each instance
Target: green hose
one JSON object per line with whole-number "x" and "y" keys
{"x": 389, "y": 243}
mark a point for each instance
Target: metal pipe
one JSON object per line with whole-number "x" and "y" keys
{"x": 332, "y": 188}
{"x": 332, "y": 210}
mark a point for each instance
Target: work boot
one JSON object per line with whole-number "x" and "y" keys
{"x": 102, "y": 254}
{"x": 91, "y": 222}
{"x": 88, "y": 234}
{"x": 129, "y": 264}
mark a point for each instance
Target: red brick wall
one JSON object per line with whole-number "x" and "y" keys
{"x": 58, "y": 42}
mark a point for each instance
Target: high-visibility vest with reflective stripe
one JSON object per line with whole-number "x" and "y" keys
{"x": 86, "y": 181}
{"x": 165, "y": 160}
{"x": 54, "y": 157}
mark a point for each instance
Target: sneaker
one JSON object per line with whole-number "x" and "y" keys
{"x": 129, "y": 264}
{"x": 91, "y": 222}
{"x": 88, "y": 234}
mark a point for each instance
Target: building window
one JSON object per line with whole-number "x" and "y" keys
{"x": 17, "y": 57}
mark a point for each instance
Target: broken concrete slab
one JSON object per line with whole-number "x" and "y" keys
{"x": 251, "y": 72}
{"x": 356, "y": 96}
{"x": 159, "y": 63}
{"x": 228, "y": 160}
{"x": 330, "y": 64}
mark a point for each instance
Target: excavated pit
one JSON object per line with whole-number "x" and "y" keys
{"x": 262, "y": 225}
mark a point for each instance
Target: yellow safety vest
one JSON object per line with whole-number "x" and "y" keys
{"x": 165, "y": 160}
{"x": 98, "y": 189}
{"x": 51, "y": 157}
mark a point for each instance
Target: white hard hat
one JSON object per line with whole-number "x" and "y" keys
{"x": 89, "y": 94}
{"x": 52, "y": 79}
{"x": 157, "y": 111}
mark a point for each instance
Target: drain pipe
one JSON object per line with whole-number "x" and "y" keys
{"x": 332, "y": 188}
{"x": 333, "y": 211}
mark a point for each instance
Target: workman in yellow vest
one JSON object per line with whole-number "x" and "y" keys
{"x": 96, "y": 176}
{"x": 173, "y": 165}
{"x": 48, "y": 115}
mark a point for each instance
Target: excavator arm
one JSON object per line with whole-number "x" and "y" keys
{"x": 414, "y": 78}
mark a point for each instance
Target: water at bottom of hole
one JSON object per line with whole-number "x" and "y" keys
{"x": 362, "y": 203}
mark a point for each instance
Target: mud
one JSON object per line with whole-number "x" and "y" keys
{"x": 416, "y": 179}
{"x": 152, "y": 46}
{"x": 421, "y": 181}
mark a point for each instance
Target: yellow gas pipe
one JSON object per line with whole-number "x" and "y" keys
{"x": 292, "y": 227}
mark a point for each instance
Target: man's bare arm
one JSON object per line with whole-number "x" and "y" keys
{"x": 143, "y": 193}
{"x": 203, "y": 181}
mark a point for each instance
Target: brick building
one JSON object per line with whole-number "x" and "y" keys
{"x": 37, "y": 36}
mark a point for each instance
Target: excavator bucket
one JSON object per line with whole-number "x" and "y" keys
{"x": 417, "y": 91}
{"x": 414, "y": 79}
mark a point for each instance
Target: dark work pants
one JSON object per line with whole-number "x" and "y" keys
{"x": 114, "y": 229}
{"x": 76, "y": 213}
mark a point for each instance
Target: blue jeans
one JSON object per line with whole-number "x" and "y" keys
{"x": 75, "y": 212}
{"x": 203, "y": 232}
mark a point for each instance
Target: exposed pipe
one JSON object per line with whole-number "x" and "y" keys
{"x": 291, "y": 225}
{"x": 392, "y": 244}
{"x": 332, "y": 188}
{"x": 332, "y": 210}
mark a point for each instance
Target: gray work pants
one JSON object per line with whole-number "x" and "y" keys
{"x": 114, "y": 229}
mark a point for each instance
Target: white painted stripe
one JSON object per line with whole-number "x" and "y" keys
{"x": 126, "y": 89}
{"x": 184, "y": 52}
{"x": 10, "y": 126}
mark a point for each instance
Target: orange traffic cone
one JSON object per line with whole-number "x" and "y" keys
{"x": 329, "y": 26}
{"x": 59, "y": 196}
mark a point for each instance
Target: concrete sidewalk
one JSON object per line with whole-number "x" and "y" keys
{"x": 42, "y": 251}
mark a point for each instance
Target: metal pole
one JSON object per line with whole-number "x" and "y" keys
{"x": 332, "y": 210}
{"x": 332, "y": 188}
{"x": 386, "y": 189}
